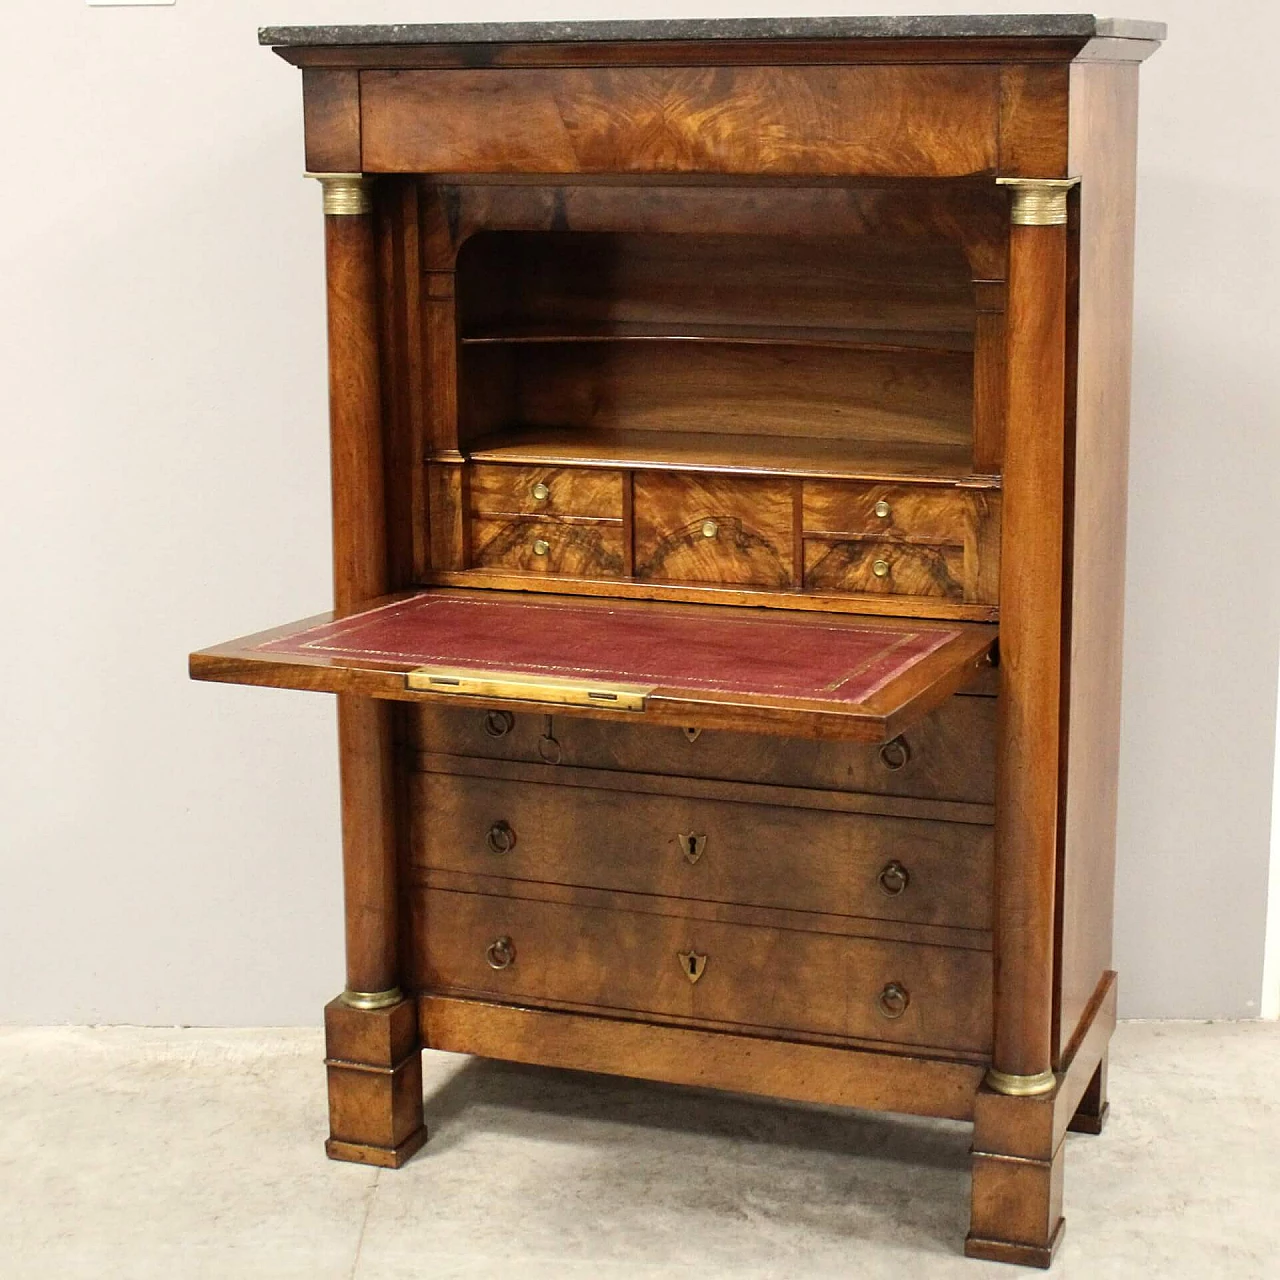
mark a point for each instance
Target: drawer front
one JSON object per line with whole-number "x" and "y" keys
{"x": 949, "y": 755}
{"x": 713, "y": 529}
{"x": 904, "y": 869}
{"x": 545, "y": 491}
{"x": 928, "y": 513}
{"x": 899, "y": 121}
{"x": 545, "y": 546}
{"x": 885, "y": 568}
{"x": 746, "y": 975}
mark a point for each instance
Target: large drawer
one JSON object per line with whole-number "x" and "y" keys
{"x": 536, "y": 952}
{"x": 949, "y": 755}
{"x": 847, "y": 864}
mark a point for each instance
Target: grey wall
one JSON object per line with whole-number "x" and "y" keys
{"x": 169, "y": 851}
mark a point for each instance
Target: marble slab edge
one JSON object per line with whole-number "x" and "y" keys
{"x": 994, "y": 26}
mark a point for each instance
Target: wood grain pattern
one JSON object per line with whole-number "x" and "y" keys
{"x": 933, "y": 122}
{"x": 753, "y": 854}
{"x": 749, "y": 524}
{"x": 1104, "y": 146}
{"x": 876, "y": 1081}
{"x": 509, "y": 490}
{"x": 909, "y": 568}
{"x": 1030, "y": 651}
{"x": 789, "y": 981}
{"x": 1033, "y": 120}
{"x": 798, "y": 391}
{"x": 447, "y": 483}
{"x": 950, "y": 754}
{"x": 611, "y": 283}
{"x": 331, "y": 120}
{"x": 914, "y": 512}
{"x": 582, "y": 549}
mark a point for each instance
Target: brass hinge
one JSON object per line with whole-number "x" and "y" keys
{"x": 525, "y": 688}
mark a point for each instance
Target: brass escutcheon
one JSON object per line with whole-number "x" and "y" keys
{"x": 692, "y": 734}
{"x": 893, "y": 1000}
{"x": 500, "y": 953}
{"x": 692, "y": 965}
{"x": 693, "y": 847}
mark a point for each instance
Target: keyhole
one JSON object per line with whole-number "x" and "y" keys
{"x": 693, "y": 967}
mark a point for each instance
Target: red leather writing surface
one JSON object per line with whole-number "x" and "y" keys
{"x": 734, "y": 653}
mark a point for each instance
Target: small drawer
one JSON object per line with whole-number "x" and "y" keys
{"x": 893, "y": 568}
{"x": 529, "y": 951}
{"x": 927, "y": 513}
{"x": 910, "y": 870}
{"x": 498, "y": 489}
{"x": 578, "y": 550}
{"x": 949, "y": 755}
{"x": 713, "y": 529}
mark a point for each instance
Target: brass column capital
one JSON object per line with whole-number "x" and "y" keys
{"x": 1021, "y": 1086}
{"x": 345, "y": 194}
{"x": 1039, "y": 202}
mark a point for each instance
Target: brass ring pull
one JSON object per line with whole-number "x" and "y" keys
{"x": 540, "y": 492}
{"x": 497, "y": 724}
{"x": 500, "y": 953}
{"x": 893, "y": 1000}
{"x": 880, "y": 568}
{"x": 500, "y": 838}
{"x": 893, "y": 879}
{"x": 541, "y": 546}
{"x": 896, "y": 754}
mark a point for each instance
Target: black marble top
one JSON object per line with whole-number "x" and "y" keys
{"x": 1083, "y": 26}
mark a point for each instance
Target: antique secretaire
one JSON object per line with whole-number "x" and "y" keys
{"x": 729, "y": 441}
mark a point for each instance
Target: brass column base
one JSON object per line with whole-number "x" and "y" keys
{"x": 371, "y": 1000}
{"x": 1021, "y": 1086}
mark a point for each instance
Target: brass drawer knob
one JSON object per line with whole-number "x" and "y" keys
{"x": 500, "y": 953}
{"x": 882, "y": 509}
{"x": 541, "y": 546}
{"x": 540, "y": 492}
{"x": 896, "y": 754}
{"x": 497, "y": 724}
{"x": 880, "y": 568}
{"x": 500, "y": 838}
{"x": 710, "y": 528}
{"x": 893, "y": 879}
{"x": 893, "y": 1000}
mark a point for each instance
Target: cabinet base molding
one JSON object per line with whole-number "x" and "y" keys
{"x": 708, "y": 1059}
{"x": 1019, "y": 1255}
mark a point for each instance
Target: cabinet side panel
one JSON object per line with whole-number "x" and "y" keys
{"x": 1104, "y": 108}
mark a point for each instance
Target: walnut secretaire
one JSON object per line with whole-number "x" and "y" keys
{"x": 729, "y": 436}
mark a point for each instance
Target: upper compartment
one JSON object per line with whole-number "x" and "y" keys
{"x": 819, "y": 355}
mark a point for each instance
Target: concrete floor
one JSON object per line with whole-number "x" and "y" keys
{"x": 136, "y": 1154}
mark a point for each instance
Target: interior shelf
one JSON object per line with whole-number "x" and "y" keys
{"x": 740, "y": 334}
{"x": 750, "y": 454}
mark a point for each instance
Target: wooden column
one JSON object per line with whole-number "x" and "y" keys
{"x": 374, "y": 1067}
{"x": 1030, "y": 639}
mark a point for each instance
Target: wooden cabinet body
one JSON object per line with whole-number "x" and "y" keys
{"x": 729, "y": 430}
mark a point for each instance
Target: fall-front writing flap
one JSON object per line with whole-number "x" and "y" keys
{"x": 708, "y": 666}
